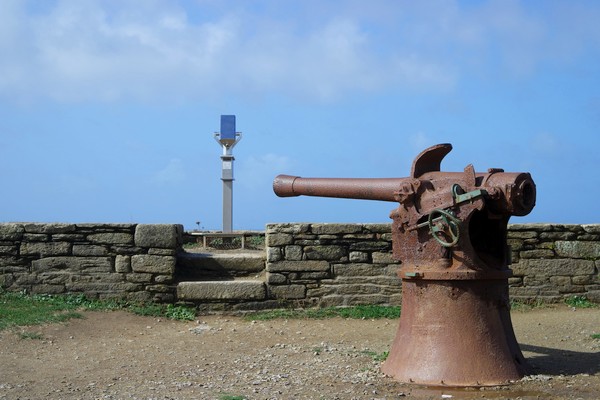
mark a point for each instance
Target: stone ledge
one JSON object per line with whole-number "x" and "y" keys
{"x": 222, "y": 290}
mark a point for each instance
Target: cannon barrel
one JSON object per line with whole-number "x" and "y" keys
{"x": 506, "y": 192}
{"x": 348, "y": 188}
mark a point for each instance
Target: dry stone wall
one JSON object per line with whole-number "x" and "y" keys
{"x": 348, "y": 264}
{"x": 125, "y": 261}
{"x": 331, "y": 264}
{"x": 551, "y": 261}
{"x": 307, "y": 264}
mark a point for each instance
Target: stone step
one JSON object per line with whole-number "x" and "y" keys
{"x": 202, "y": 266}
{"x": 222, "y": 290}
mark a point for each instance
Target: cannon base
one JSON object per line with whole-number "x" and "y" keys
{"x": 455, "y": 333}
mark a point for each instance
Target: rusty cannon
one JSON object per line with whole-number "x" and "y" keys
{"x": 449, "y": 232}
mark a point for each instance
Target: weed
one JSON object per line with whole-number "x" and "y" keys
{"x": 579, "y": 302}
{"x": 522, "y": 305}
{"x": 231, "y": 397}
{"x": 595, "y": 335}
{"x": 180, "y": 313}
{"x": 356, "y": 312}
{"x": 376, "y": 356}
{"x": 31, "y": 335}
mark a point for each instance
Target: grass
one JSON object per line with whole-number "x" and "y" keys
{"x": 579, "y": 302}
{"x": 31, "y": 336}
{"x": 377, "y": 356}
{"x": 20, "y": 309}
{"x": 595, "y": 336}
{"x": 231, "y": 397}
{"x": 572, "y": 301}
{"x": 356, "y": 312}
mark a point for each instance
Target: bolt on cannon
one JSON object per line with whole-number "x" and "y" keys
{"x": 449, "y": 232}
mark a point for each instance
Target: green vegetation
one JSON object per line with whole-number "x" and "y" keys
{"x": 31, "y": 335}
{"x": 356, "y": 312}
{"x": 595, "y": 335}
{"x": 579, "y": 302}
{"x": 519, "y": 305}
{"x": 231, "y": 397}
{"x": 377, "y": 356}
{"x": 20, "y": 309}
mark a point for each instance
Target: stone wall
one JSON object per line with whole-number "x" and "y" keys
{"x": 307, "y": 264}
{"x": 551, "y": 262}
{"x": 124, "y": 261}
{"x": 331, "y": 264}
{"x": 347, "y": 264}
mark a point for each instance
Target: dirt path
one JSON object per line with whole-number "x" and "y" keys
{"x": 116, "y": 355}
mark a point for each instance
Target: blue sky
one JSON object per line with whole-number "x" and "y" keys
{"x": 108, "y": 108}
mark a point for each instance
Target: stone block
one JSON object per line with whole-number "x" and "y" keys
{"x": 578, "y": 249}
{"x": 35, "y": 237}
{"x": 45, "y": 249}
{"x": 551, "y": 267}
{"x": 359, "y": 236}
{"x": 54, "y": 278}
{"x": 511, "y": 234}
{"x": 11, "y": 232}
{"x": 160, "y": 288}
{"x": 298, "y": 266}
{"x": 293, "y": 252}
{"x": 370, "y": 246}
{"x": 111, "y": 238}
{"x": 274, "y": 254}
{"x": 139, "y": 277}
{"x": 73, "y": 264}
{"x": 582, "y": 279}
{"x": 592, "y": 228}
{"x": 383, "y": 258}
{"x": 9, "y": 250}
{"x": 288, "y": 292}
{"x": 164, "y": 265}
{"x": 167, "y": 236}
{"x": 49, "y": 228}
{"x": 287, "y": 228}
{"x": 279, "y": 239}
{"x": 122, "y": 264}
{"x": 163, "y": 279}
{"x": 358, "y": 289}
{"x": 47, "y": 289}
{"x": 6, "y": 280}
{"x": 276, "y": 279}
{"x": 335, "y": 229}
{"x": 162, "y": 252}
{"x": 558, "y": 236}
{"x": 89, "y": 250}
{"x": 378, "y": 228}
{"x": 359, "y": 257}
{"x": 330, "y": 253}
{"x": 312, "y": 276}
{"x": 221, "y": 290}
{"x": 357, "y": 270}
{"x": 537, "y": 253}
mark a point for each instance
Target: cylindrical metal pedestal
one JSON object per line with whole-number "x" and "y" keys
{"x": 455, "y": 333}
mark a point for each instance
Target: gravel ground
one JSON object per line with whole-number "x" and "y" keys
{"x": 116, "y": 355}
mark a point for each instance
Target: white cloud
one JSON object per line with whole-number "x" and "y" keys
{"x": 93, "y": 50}
{"x": 172, "y": 173}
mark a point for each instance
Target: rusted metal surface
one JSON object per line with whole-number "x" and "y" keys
{"x": 449, "y": 232}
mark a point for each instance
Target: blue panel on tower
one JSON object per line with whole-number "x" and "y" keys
{"x": 227, "y": 126}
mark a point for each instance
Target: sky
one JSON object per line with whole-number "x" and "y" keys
{"x": 108, "y": 107}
